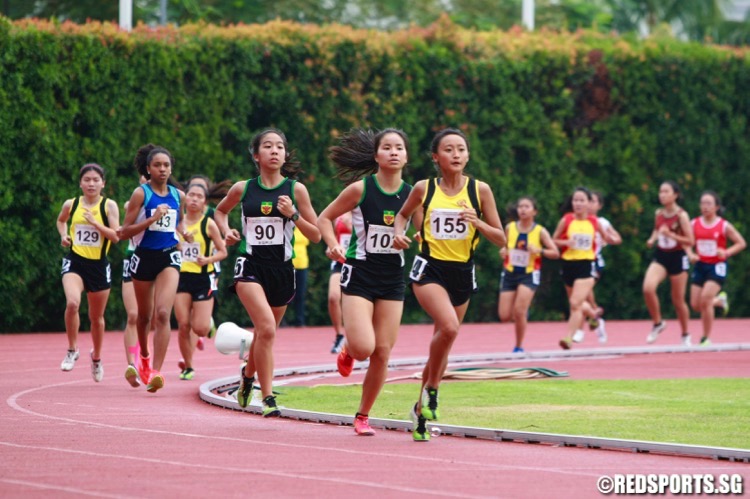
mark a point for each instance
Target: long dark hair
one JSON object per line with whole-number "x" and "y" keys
{"x": 444, "y": 133}
{"x": 291, "y": 167}
{"x": 140, "y": 162}
{"x": 512, "y": 208}
{"x": 91, "y": 167}
{"x": 214, "y": 192}
{"x": 567, "y": 206}
{"x": 717, "y": 200}
{"x": 354, "y": 156}
{"x": 677, "y": 190}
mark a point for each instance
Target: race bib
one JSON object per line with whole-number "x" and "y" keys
{"x": 264, "y": 231}
{"x": 706, "y": 247}
{"x": 417, "y": 269}
{"x": 176, "y": 258}
{"x": 167, "y": 223}
{"x": 191, "y": 251}
{"x": 134, "y": 262}
{"x": 447, "y": 224}
{"x": 346, "y": 274}
{"x": 344, "y": 240}
{"x": 666, "y": 242}
{"x": 519, "y": 258}
{"x": 380, "y": 239}
{"x": 721, "y": 269}
{"x": 582, "y": 242}
{"x": 87, "y": 235}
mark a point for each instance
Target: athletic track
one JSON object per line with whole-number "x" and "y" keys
{"x": 66, "y": 436}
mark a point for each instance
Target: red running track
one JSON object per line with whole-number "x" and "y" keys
{"x": 68, "y": 436}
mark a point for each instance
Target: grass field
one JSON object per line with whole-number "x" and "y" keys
{"x": 712, "y": 412}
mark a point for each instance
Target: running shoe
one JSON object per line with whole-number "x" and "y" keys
{"x": 420, "y": 433}
{"x": 578, "y": 336}
{"x": 656, "y": 331}
{"x": 97, "y": 369}
{"x": 71, "y": 356}
{"x": 344, "y": 363}
{"x": 200, "y": 345}
{"x": 362, "y": 426}
{"x": 724, "y": 301}
{"x": 566, "y": 343}
{"x": 270, "y": 410}
{"x": 338, "y": 343}
{"x": 705, "y": 342}
{"x": 144, "y": 369}
{"x": 430, "y": 403}
{"x": 518, "y": 350}
{"x": 181, "y": 364}
{"x": 212, "y": 329}
{"x": 245, "y": 391}
{"x": 593, "y": 323}
{"x": 131, "y": 374}
{"x": 187, "y": 373}
{"x": 155, "y": 382}
{"x": 601, "y": 331}
{"x": 686, "y": 340}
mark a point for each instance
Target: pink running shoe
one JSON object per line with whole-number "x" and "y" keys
{"x": 200, "y": 345}
{"x": 181, "y": 364}
{"x": 344, "y": 363}
{"x": 362, "y": 426}
{"x": 144, "y": 369}
{"x": 155, "y": 383}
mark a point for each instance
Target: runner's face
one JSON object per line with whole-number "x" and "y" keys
{"x": 708, "y": 206}
{"x": 92, "y": 183}
{"x": 666, "y": 194}
{"x": 452, "y": 154}
{"x": 391, "y": 153}
{"x": 195, "y": 200}
{"x": 271, "y": 153}
{"x": 594, "y": 204}
{"x": 526, "y": 210}
{"x": 580, "y": 203}
{"x": 160, "y": 167}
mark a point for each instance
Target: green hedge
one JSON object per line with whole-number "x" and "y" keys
{"x": 544, "y": 113}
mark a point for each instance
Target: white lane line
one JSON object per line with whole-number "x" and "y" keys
{"x": 62, "y": 488}
{"x": 231, "y": 469}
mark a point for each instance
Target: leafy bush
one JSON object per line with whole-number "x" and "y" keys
{"x": 544, "y": 112}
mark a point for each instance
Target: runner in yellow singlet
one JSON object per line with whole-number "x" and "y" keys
{"x": 456, "y": 210}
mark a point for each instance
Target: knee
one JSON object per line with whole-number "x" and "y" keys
{"x": 506, "y": 316}
{"x": 649, "y": 289}
{"x": 162, "y": 316}
{"x": 97, "y": 323}
{"x": 519, "y": 312}
{"x": 706, "y": 302}
{"x": 380, "y": 355}
{"x": 184, "y": 330}
{"x": 201, "y": 331}
{"x": 72, "y": 306}
{"x": 264, "y": 332}
{"x": 132, "y": 318}
{"x": 448, "y": 331}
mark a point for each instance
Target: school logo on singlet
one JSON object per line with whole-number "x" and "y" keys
{"x": 266, "y": 207}
{"x": 389, "y": 217}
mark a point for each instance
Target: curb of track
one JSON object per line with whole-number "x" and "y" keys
{"x": 218, "y": 392}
